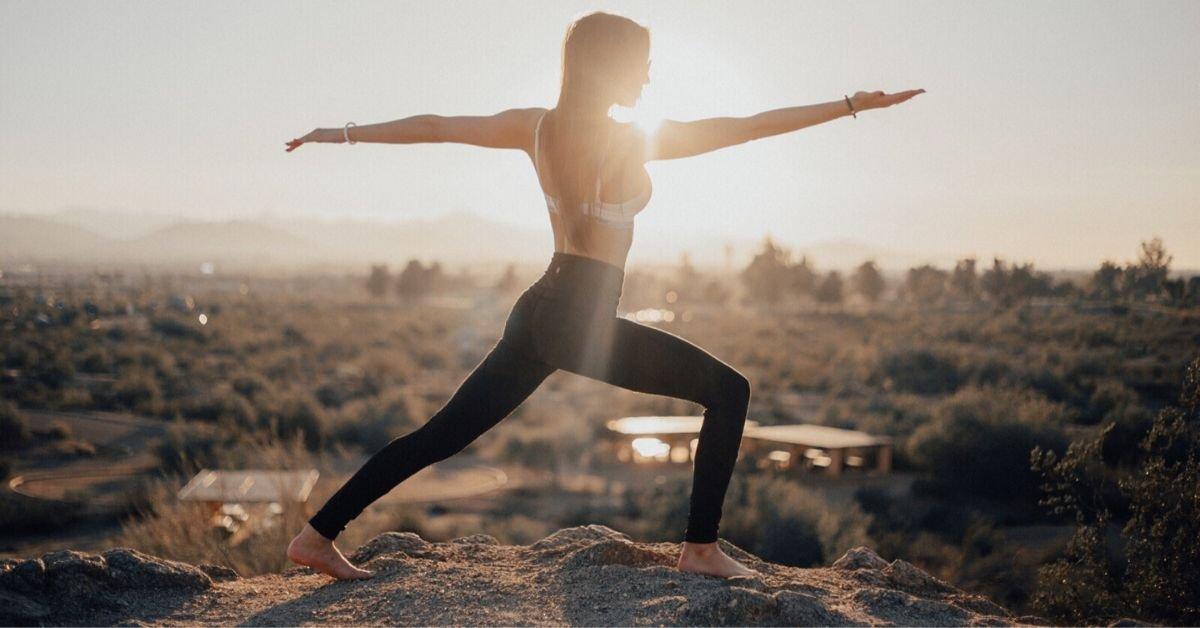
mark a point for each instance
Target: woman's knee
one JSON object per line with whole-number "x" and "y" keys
{"x": 729, "y": 388}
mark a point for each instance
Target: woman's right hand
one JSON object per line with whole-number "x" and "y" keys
{"x": 315, "y": 135}
{"x": 878, "y": 100}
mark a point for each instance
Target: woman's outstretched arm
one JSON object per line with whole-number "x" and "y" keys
{"x": 510, "y": 128}
{"x": 675, "y": 140}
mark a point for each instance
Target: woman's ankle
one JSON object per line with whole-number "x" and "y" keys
{"x": 700, "y": 549}
{"x": 311, "y": 534}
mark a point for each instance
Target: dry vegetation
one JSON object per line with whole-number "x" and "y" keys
{"x": 312, "y": 372}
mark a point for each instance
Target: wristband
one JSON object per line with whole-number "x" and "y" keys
{"x": 852, "y": 112}
{"x": 346, "y": 132}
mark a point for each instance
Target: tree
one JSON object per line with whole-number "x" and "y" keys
{"x": 868, "y": 281}
{"x": 1146, "y": 277}
{"x": 830, "y": 289}
{"x": 687, "y": 279}
{"x": 1025, "y": 282}
{"x": 802, "y": 276}
{"x": 1006, "y": 285}
{"x": 925, "y": 284}
{"x": 766, "y": 278}
{"x": 412, "y": 281}
{"x": 963, "y": 280}
{"x": 378, "y": 282}
{"x": 1192, "y": 291}
{"x": 416, "y": 280}
{"x": 994, "y": 282}
{"x": 1106, "y": 281}
{"x": 1152, "y": 497}
{"x": 508, "y": 281}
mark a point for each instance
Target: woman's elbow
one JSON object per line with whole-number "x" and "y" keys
{"x": 430, "y": 128}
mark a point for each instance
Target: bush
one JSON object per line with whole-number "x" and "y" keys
{"x": 781, "y": 521}
{"x": 138, "y": 391}
{"x": 1148, "y": 569}
{"x": 979, "y": 443}
{"x": 187, "y": 447}
{"x": 372, "y": 424}
{"x": 28, "y": 515}
{"x": 166, "y": 527}
{"x": 920, "y": 371}
{"x": 14, "y": 430}
{"x": 297, "y": 414}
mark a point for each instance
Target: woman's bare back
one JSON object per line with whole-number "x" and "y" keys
{"x": 622, "y": 177}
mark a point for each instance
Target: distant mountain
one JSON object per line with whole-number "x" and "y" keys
{"x": 117, "y": 224}
{"x": 232, "y": 241}
{"x": 82, "y": 235}
{"x": 30, "y": 238}
{"x": 458, "y": 238}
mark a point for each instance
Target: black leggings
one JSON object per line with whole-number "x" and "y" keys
{"x": 567, "y": 320}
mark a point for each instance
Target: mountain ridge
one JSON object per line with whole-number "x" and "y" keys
{"x": 460, "y": 237}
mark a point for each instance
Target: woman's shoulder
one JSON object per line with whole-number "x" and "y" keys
{"x": 630, "y": 137}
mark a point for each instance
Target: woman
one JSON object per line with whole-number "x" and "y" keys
{"x": 586, "y": 164}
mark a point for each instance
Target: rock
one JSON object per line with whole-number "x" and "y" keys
{"x": 860, "y": 558}
{"x": 219, "y": 573}
{"x": 584, "y": 575}
{"x": 391, "y": 543}
{"x": 908, "y": 576}
{"x": 67, "y": 586}
{"x": 131, "y": 569}
{"x": 18, "y": 610}
{"x": 801, "y": 609}
{"x": 730, "y": 606}
{"x": 569, "y": 536}
{"x": 614, "y": 551}
{"x": 755, "y": 582}
{"x": 980, "y": 605}
{"x": 903, "y": 609}
{"x": 476, "y": 539}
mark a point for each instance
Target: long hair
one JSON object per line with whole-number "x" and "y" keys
{"x": 600, "y": 53}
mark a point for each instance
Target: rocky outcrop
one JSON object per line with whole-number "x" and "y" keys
{"x": 585, "y": 575}
{"x": 70, "y": 586}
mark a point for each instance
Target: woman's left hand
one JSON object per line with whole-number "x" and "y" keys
{"x": 314, "y": 135}
{"x": 878, "y": 100}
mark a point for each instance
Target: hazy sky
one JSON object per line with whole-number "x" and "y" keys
{"x": 1056, "y": 132}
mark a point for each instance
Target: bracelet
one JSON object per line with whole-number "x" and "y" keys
{"x": 346, "y": 132}
{"x": 850, "y": 106}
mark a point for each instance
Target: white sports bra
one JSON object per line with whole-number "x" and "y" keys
{"x": 618, "y": 215}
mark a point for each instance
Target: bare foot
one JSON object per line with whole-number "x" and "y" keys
{"x": 310, "y": 549}
{"x": 707, "y": 558}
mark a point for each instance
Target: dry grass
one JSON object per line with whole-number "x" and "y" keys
{"x": 181, "y": 530}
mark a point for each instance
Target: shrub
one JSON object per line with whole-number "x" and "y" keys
{"x": 776, "y": 518}
{"x": 297, "y": 414}
{"x": 14, "y": 430}
{"x": 979, "y": 442}
{"x": 920, "y": 371}
{"x": 1147, "y": 570}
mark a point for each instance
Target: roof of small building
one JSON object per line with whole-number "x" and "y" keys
{"x": 643, "y": 425}
{"x": 248, "y": 486}
{"x": 820, "y": 436}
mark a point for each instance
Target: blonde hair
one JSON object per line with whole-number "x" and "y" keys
{"x": 600, "y": 53}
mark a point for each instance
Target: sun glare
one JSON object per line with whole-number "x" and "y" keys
{"x": 646, "y": 118}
